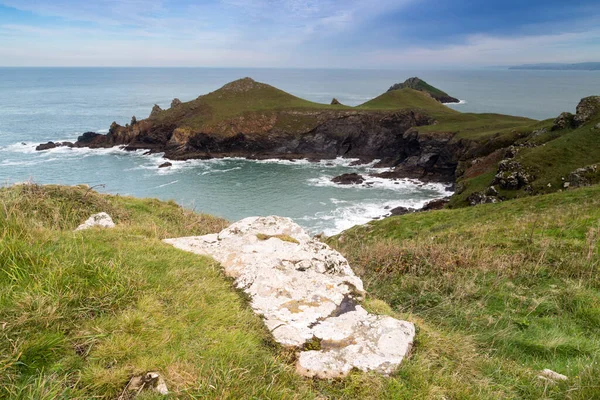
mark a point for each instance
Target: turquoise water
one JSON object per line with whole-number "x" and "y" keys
{"x": 41, "y": 104}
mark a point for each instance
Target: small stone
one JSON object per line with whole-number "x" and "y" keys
{"x": 100, "y": 220}
{"x": 150, "y": 381}
{"x": 549, "y": 375}
{"x": 566, "y": 185}
{"x": 165, "y": 165}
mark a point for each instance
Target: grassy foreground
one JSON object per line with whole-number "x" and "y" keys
{"x": 497, "y": 292}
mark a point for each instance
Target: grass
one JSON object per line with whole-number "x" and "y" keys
{"x": 284, "y": 238}
{"x": 498, "y": 291}
{"x": 549, "y": 156}
{"x": 407, "y": 99}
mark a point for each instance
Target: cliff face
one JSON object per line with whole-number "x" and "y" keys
{"x": 257, "y": 121}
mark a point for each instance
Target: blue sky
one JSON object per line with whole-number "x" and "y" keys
{"x": 294, "y": 33}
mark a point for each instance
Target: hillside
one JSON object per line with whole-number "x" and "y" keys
{"x": 497, "y": 292}
{"x": 500, "y": 291}
{"x": 420, "y": 85}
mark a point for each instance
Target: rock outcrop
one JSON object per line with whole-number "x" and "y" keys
{"x": 100, "y": 220}
{"x": 305, "y": 292}
{"x": 335, "y": 102}
{"x": 349, "y": 179}
{"x": 419, "y": 84}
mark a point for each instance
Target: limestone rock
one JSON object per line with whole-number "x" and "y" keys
{"x": 101, "y": 220}
{"x": 150, "y": 381}
{"x": 511, "y": 175}
{"x": 303, "y": 289}
{"x": 549, "y": 375}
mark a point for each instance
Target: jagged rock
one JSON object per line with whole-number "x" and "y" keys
{"x": 436, "y": 204}
{"x": 563, "y": 121}
{"x": 165, "y": 165}
{"x": 304, "y": 290}
{"x": 511, "y": 152}
{"x": 335, "y": 102}
{"x": 539, "y": 132}
{"x": 511, "y": 175}
{"x": 401, "y": 211}
{"x": 587, "y": 109}
{"x": 349, "y": 179}
{"x": 480, "y": 198}
{"x": 150, "y": 381}
{"x": 491, "y": 191}
{"x": 155, "y": 111}
{"x": 101, "y": 220}
{"x": 46, "y": 146}
{"x": 175, "y": 102}
{"x": 585, "y": 176}
{"x": 53, "y": 145}
{"x": 551, "y": 376}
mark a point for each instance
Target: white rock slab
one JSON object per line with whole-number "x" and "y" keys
{"x": 304, "y": 290}
{"x": 101, "y": 220}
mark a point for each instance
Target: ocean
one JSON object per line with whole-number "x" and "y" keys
{"x": 42, "y": 104}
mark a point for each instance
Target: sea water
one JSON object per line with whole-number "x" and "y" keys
{"x": 42, "y": 104}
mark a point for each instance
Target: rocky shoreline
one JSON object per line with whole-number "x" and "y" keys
{"x": 315, "y": 133}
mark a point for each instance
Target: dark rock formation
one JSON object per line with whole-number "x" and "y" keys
{"x": 335, "y": 102}
{"x": 401, "y": 211}
{"x": 419, "y": 84}
{"x": 155, "y": 111}
{"x": 165, "y": 164}
{"x": 587, "y": 109}
{"x": 349, "y": 179}
{"x": 563, "y": 121}
{"x": 53, "y": 145}
{"x": 176, "y": 102}
{"x": 46, "y": 146}
{"x": 437, "y": 204}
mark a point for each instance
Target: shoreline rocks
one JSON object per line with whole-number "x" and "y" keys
{"x": 349, "y": 179}
{"x": 305, "y": 291}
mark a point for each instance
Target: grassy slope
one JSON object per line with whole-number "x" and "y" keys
{"x": 80, "y": 313}
{"x": 498, "y": 291}
{"x": 230, "y": 102}
{"x": 553, "y": 156}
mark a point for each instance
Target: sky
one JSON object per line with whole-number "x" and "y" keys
{"x": 299, "y": 34}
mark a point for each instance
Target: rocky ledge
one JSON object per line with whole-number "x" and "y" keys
{"x": 308, "y": 297}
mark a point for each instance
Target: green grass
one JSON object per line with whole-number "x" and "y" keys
{"x": 516, "y": 284}
{"x": 549, "y": 157}
{"x": 407, "y": 99}
{"x": 497, "y": 292}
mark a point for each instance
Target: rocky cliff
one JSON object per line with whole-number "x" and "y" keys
{"x": 254, "y": 120}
